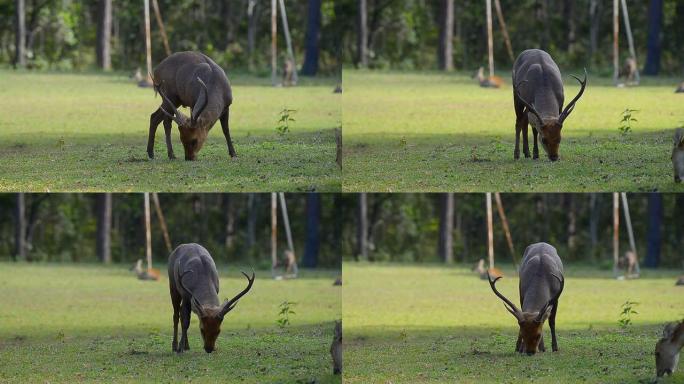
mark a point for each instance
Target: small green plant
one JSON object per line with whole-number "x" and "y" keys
{"x": 285, "y": 312}
{"x": 627, "y": 119}
{"x": 284, "y": 120}
{"x": 626, "y": 313}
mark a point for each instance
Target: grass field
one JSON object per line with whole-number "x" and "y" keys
{"x": 442, "y": 132}
{"x": 88, "y": 132}
{"x": 409, "y": 324}
{"x": 94, "y": 324}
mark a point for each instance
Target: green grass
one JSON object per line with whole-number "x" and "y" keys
{"x": 62, "y": 323}
{"x": 88, "y": 132}
{"x": 442, "y": 132}
{"x": 408, "y": 324}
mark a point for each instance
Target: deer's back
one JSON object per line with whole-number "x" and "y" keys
{"x": 537, "y": 269}
{"x": 192, "y": 272}
{"x": 538, "y": 76}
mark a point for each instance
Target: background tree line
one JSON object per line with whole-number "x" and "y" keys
{"x": 410, "y": 227}
{"x": 422, "y": 34}
{"x": 234, "y": 227}
{"x": 71, "y": 34}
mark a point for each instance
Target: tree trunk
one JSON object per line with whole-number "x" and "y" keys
{"x": 655, "y": 219}
{"x": 229, "y": 212}
{"x": 569, "y": 16}
{"x": 595, "y": 11}
{"x": 104, "y": 33}
{"x": 313, "y": 238}
{"x": 362, "y": 35}
{"x": 362, "y": 228}
{"x": 251, "y": 221}
{"x": 274, "y": 42}
{"x": 20, "y": 34}
{"x": 313, "y": 32}
{"x": 446, "y": 228}
{"x": 654, "y": 45}
{"x": 162, "y": 222}
{"x": 104, "y": 227}
{"x": 445, "y": 49}
{"x": 572, "y": 225}
{"x": 20, "y": 227}
{"x": 252, "y": 25}
{"x": 162, "y": 30}
{"x": 594, "y": 213}
{"x": 543, "y": 17}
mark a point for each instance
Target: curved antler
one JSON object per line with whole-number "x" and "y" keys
{"x": 201, "y": 101}
{"x": 525, "y": 103}
{"x": 571, "y": 105}
{"x": 230, "y": 304}
{"x": 510, "y": 306}
{"x": 177, "y": 116}
{"x": 553, "y": 300}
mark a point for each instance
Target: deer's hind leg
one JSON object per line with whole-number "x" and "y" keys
{"x": 167, "y": 134}
{"x": 226, "y": 132}
{"x": 155, "y": 118}
{"x": 520, "y": 126}
{"x": 176, "y": 302}
{"x": 552, "y": 326}
{"x": 185, "y": 313}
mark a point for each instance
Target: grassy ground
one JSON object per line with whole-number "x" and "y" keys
{"x": 89, "y": 323}
{"x": 408, "y": 324}
{"x": 439, "y": 132}
{"x": 64, "y": 132}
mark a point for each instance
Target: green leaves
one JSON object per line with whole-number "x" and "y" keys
{"x": 285, "y": 312}
{"x": 625, "y": 319}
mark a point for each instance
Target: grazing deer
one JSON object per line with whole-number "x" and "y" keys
{"x": 680, "y": 88}
{"x": 629, "y": 70}
{"x": 538, "y": 99}
{"x": 487, "y": 82}
{"x": 145, "y": 274}
{"x": 541, "y": 284}
{"x": 678, "y": 155}
{"x": 194, "y": 286}
{"x": 485, "y": 273}
{"x": 668, "y": 347}
{"x": 336, "y": 348}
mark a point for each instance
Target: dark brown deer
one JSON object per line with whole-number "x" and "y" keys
{"x": 190, "y": 79}
{"x": 678, "y": 155}
{"x": 336, "y": 348}
{"x": 194, "y": 286}
{"x": 538, "y": 99}
{"x": 541, "y": 284}
{"x": 668, "y": 348}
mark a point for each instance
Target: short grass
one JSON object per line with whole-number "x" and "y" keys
{"x": 442, "y": 132}
{"x": 62, "y": 323}
{"x": 409, "y": 324}
{"x": 88, "y": 132}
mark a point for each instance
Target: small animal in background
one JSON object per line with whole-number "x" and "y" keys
{"x": 541, "y": 284}
{"x": 336, "y": 348}
{"x": 629, "y": 263}
{"x": 484, "y": 272}
{"x": 668, "y": 348}
{"x": 678, "y": 155}
{"x": 145, "y": 274}
{"x": 680, "y": 280}
{"x": 680, "y": 88}
{"x": 487, "y": 82}
{"x": 338, "y": 281}
{"x": 288, "y": 73}
{"x": 629, "y": 70}
{"x": 139, "y": 79}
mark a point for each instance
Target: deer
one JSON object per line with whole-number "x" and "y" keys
{"x": 541, "y": 284}
{"x": 538, "y": 100}
{"x": 487, "y": 82}
{"x": 194, "y": 287}
{"x": 629, "y": 70}
{"x": 485, "y": 273}
{"x": 336, "y": 348}
{"x": 145, "y": 274}
{"x": 190, "y": 79}
{"x": 678, "y": 155}
{"x": 680, "y": 88}
{"x": 668, "y": 348}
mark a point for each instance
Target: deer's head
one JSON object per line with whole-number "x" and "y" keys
{"x": 668, "y": 347}
{"x": 530, "y": 323}
{"x": 193, "y": 130}
{"x": 550, "y": 129}
{"x": 210, "y": 317}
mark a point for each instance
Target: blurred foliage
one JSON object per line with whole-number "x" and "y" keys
{"x": 64, "y": 226}
{"x": 61, "y": 35}
{"x": 405, "y": 227}
{"x": 404, "y": 34}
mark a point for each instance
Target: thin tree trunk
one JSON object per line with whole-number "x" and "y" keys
{"x": 20, "y": 34}
{"x": 490, "y": 231}
{"x": 654, "y": 44}
{"x": 286, "y": 221}
{"x": 445, "y": 50}
{"x": 569, "y": 15}
{"x": 312, "y": 38}
{"x": 104, "y": 33}
{"x": 504, "y": 30}
{"x": 362, "y": 35}
{"x": 148, "y": 42}
{"x": 274, "y": 45}
{"x": 616, "y": 49}
{"x": 160, "y": 24}
{"x": 616, "y": 233}
{"x": 19, "y": 227}
{"x": 251, "y": 221}
{"x": 507, "y": 231}
{"x": 162, "y": 221}
{"x": 148, "y": 232}
{"x": 228, "y": 209}
{"x": 630, "y": 39}
{"x": 362, "y": 228}
{"x": 446, "y": 228}
{"x": 572, "y": 225}
{"x": 543, "y": 16}
{"x": 593, "y": 225}
{"x": 104, "y": 227}
{"x": 252, "y": 25}
{"x": 655, "y": 220}
{"x": 490, "y": 42}
{"x": 274, "y": 232}
{"x": 313, "y": 237}
{"x": 595, "y": 11}
{"x": 288, "y": 41}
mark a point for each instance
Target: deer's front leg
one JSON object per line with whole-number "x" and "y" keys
{"x": 167, "y": 134}
{"x": 516, "y": 152}
{"x": 519, "y": 345}
{"x": 226, "y": 132}
{"x": 176, "y": 302}
{"x": 552, "y": 326}
{"x": 535, "y": 150}
{"x": 155, "y": 118}
{"x": 526, "y": 146}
